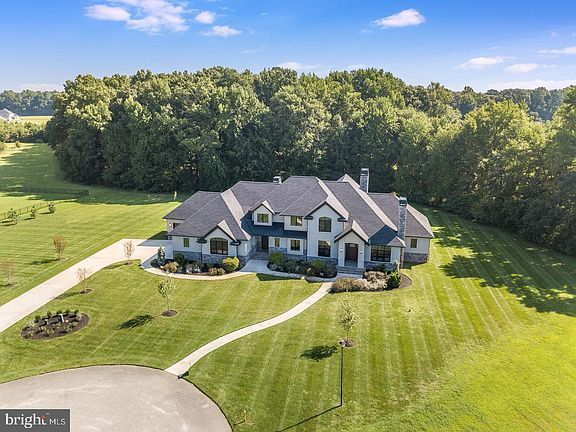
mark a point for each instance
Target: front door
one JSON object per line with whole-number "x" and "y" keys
{"x": 351, "y": 252}
{"x": 264, "y": 244}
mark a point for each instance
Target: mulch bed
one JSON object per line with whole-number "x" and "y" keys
{"x": 53, "y": 327}
{"x": 169, "y": 313}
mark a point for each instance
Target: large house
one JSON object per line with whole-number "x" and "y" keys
{"x": 7, "y": 115}
{"x": 305, "y": 217}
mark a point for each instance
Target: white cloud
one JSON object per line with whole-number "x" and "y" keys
{"x": 566, "y": 50}
{"x": 222, "y": 31}
{"x": 150, "y": 16}
{"x": 549, "y": 84}
{"x": 205, "y": 17}
{"x": 108, "y": 13}
{"x": 297, "y": 66}
{"x": 482, "y": 62}
{"x": 526, "y": 67}
{"x": 408, "y": 17}
{"x": 41, "y": 87}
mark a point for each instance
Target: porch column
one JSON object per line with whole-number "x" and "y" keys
{"x": 360, "y": 263}
{"x": 341, "y": 249}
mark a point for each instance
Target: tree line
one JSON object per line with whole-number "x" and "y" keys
{"x": 498, "y": 163}
{"x": 28, "y": 102}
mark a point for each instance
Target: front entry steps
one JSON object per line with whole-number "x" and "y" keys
{"x": 350, "y": 270}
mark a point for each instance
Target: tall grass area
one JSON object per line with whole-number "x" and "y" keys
{"x": 482, "y": 340}
{"x": 87, "y": 223}
{"x": 41, "y": 120}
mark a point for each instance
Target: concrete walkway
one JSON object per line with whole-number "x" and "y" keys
{"x": 187, "y": 362}
{"x": 25, "y": 304}
{"x": 118, "y": 398}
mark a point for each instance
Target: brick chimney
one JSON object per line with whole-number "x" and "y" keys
{"x": 364, "y": 179}
{"x": 277, "y": 179}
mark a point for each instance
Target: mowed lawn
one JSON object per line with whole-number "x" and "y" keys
{"x": 35, "y": 119}
{"x": 87, "y": 223}
{"x": 484, "y": 339}
{"x": 126, "y": 325}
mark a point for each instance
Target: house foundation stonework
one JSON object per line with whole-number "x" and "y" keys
{"x": 337, "y": 221}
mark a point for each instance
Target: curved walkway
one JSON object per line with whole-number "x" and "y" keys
{"x": 25, "y": 304}
{"x": 186, "y": 363}
{"x": 118, "y": 398}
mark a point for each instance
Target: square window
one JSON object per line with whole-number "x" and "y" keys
{"x": 413, "y": 243}
{"x": 295, "y": 245}
{"x": 277, "y": 242}
{"x": 323, "y": 248}
{"x": 325, "y": 224}
{"x": 380, "y": 253}
{"x": 295, "y": 221}
{"x": 262, "y": 218}
{"x": 186, "y": 242}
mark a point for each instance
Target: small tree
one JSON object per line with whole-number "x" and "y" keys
{"x": 7, "y": 269}
{"x": 161, "y": 255}
{"x": 51, "y": 207}
{"x": 347, "y": 318}
{"x": 129, "y": 249}
{"x": 83, "y": 274}
{"x": 166, "y": 288}
{"x": 13, "y": 216}
{"x": 59, "y": 245}
{"x": 33, "y": 212}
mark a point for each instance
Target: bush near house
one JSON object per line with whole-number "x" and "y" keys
{"x": 181, "y": 260}
{"x": 216, "y": 271}
{"x": 319, "y": 268}
{"x": 230, "y": 264}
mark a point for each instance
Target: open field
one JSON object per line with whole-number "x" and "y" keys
{"x": 88, "y": 223}
{"x": 483, "y": 340}
{"x": 126, "y": 326}
{"x": 35, "y": 119}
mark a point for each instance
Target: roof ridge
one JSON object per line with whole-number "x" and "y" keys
{"x": 233, "y": 206}
{"x": 304, "y": 193}
{"x": 375, "y": 208}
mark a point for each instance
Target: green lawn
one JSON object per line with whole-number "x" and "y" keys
{"x": 88, "y": 223}
{"x": 126, "y": 326}
{"x": 482, "y": 340}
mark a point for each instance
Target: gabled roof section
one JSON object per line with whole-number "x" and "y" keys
{"x": 417, "y": 224}
{"x": 266, "y": 205}
{"x": 346, "y": 178}
{"x": 224, "y": 227}
{"x": 191, "y": 205}
{"x": 312, "y": 200}
{"x": 355, "y": 228}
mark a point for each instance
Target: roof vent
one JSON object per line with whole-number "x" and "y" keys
{"x": 277, "y": 179}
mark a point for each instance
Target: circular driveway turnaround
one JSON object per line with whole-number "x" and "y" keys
{"x": 118, "y": 398}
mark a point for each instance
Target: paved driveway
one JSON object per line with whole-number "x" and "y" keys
{"x": 118, "y": 398}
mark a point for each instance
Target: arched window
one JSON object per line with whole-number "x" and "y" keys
{"x": 325, "y": 224}
{"x": 218, "y": 246}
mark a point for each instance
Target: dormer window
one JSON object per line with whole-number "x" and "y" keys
{"x": 262, "y": 218}
{"x": 325, "y": 224}
{"x": 296, "y": 221}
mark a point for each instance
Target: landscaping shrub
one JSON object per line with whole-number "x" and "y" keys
{"x": 192, "y": 268}
{"x": 318, "y": 266}
{"x": 214, "y": 271}
{"x": 51, "y": 207}
{"x": 290, "y": 266}
{"x": 181, "y": 260}
{"x": 373, "y": 276}
{"x": 230, "y": 264}
{"x": 394, "y": 280}
{"x": 33, "y": 212}
{"x": 13, "y": 216}
{"x": 277, "y": 258}
{"x": 171, "y": 267}
{"x": 348, "y": 285}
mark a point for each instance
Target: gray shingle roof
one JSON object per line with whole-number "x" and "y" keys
{"x": 417, "y": 225}
{"x": 372, "y": 216}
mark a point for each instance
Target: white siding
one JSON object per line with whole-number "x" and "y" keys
{"x": 351, "y": 237}
{"x": 178, "y": 244}
{"x": 314, "y": 234}
{"x": 262, "y": 210}
{"x": 423, "y": 245}
{"x": 220, "y": 234}
{"x": 289, "y": 227}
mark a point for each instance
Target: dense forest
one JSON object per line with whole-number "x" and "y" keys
{"x": 28, "y": 102}
{"x": 498, "y": 164}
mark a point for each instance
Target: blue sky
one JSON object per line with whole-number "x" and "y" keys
{"x": 485, "y": 44}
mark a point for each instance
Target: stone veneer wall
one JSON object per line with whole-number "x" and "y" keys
{"x": 372, "y": 264}
{"x": 415, "y": 257}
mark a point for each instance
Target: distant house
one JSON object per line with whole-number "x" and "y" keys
{"x": 7, "y": 115}
{"x": 304, "y": 217}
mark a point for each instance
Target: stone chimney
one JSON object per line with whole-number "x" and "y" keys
{"x": 364, "y": 179}
{"x": 277, "y": 179}
{"x": 402, "y": 206}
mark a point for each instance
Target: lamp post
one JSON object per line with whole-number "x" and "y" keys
{"x": 342, "y": 343}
